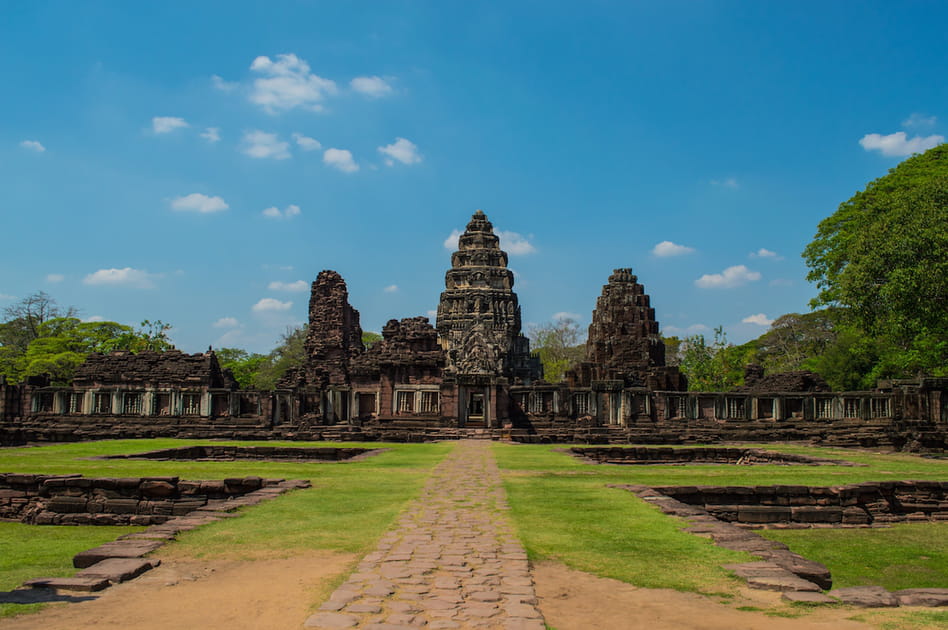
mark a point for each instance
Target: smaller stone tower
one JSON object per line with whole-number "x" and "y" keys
{"x": 624, "y": 343}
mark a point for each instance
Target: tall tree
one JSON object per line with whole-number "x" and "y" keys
{"x": 558, "y": 345}
{"x": 883, "y": 257}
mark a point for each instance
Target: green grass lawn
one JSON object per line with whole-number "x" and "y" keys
{"x": 561, "y": 506}
{"x": 907, "y": 555}
{"x": 565, "y": 511}
{"x": 348, "y": 508}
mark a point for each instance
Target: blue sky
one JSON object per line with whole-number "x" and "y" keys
{"x": 200, "y": 163}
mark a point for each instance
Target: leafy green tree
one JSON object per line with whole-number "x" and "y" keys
{"x": 716, "y": 366}
{"x": 557, "y": 344}
{"x": 795, "y": 339}
{"x": 883, "y": 257}
{"x": 63, "y": 343}
{"x": 673, "y": 347}
{"x": 369, "y": 338}
{"x": 290, "y": 353}
{"x": 244, "y": 365}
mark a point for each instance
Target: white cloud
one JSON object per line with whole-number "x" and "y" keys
{"x": 392, "y": 288}
{"x": 730, "y": 278}
{"x": 55, "y": 277}
{"x": 226, "y": 322}
{"x": 211, "y": 134}
{"x": 515, "y": 244}
{"x": 196, "y": 202}
{"x": 763, "y": 252}
{"x": 93, "y": 319}
{"x": 759, "y": 319}
{"x": 340, "y": 159}
{"x": 432, "y": 314}
{"x": 919, "y": 120}
{"x": 373, "y": 87}
{"x": 728, "y": 182}
{"x": 287, "y": 83}
{"x": 260, "y": 144}
{"x": 402, "y": 150}
{"x": 566, "y": 315}
{"x": 666, "y": 249}
{"x": 125, "y": 277}
{"x": 451, "y": 242}
{"x": 694, "y": 329}
{"x": 898, "y": 144}
{"x": 33, "y": 145}
{"x": 306, "y": 143}
{"x": 4, "y": 296}
{"x": 167, "y": 124}
{"x": 273, "y": 212}
{"x": 221, "y": 84}
{"x": 269, "y": 305}
{"x": 297, "y": 286}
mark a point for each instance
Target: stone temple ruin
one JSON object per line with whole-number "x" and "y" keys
{"x": 470, "y": 373}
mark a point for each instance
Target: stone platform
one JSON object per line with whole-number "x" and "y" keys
{"x": 451, "y": 561}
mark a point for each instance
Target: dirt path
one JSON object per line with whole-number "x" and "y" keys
{"x": 452, "y": 560}
{"x": 266, "y": 594}
{"x": 573, "y": 600}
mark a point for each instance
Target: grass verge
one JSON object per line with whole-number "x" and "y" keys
{"x": 350, "y": 505}
{"x": 910, "y": 555}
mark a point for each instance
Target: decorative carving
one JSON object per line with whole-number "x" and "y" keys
{"x": 478, "y": 317}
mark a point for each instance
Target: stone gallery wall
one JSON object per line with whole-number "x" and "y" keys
{"x": 78, "y": 500}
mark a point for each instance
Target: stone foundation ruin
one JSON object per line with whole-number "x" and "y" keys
{"x": 470, "y": 373}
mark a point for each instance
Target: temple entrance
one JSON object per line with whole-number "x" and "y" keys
{"x": 475, "y": 413}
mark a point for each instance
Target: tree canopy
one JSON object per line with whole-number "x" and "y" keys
{"x": 558, "y": 346}
{"x": 882, "y": 257}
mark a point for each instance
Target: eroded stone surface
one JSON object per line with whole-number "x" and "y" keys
{"x": 452, "y": 561}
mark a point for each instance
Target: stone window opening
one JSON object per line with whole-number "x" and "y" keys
{"x": 191, "y": 404}
{"x": 824, "y": 408}
{"x": 765, "y": 408}
{"x": 132, "y": 403}
{"x": 163, "y": 404}
{"x": 102, "y": 402}
{"x": 43, "y": 402}
{"x": 74, "y": 403}
{"x": 678, "y": 407}
{"x": 429, "y": 402}
{"x": 581, "y": 403}
{"x": 405, "y": 402}
{"x": 879, "y": 408}
{"x": 538, "y": 402}
{"x": 851, "y": 408}
{"x": 735, "y": 408}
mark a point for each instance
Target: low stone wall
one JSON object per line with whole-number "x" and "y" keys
{"x": 858, "y": 504}
{"x": 284, "y": 453}
{"x": 701, "y": 455}
{"x": 78, "y": 500}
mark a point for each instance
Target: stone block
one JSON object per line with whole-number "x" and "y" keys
{"x": 87, "y": 584}
{"x": 128, "y": 548}
{"x": 763, "y": 513}
{"x": 866, "y": 597}
{"x": 118, "y": 570}
{"x": 923, "y": 596}
{"x": 816, "y": 514}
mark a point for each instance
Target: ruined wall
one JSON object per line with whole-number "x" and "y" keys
{"x": 856, "y": 504}
{"x": 78, "y": 500}
{"x": 334, "y": 336}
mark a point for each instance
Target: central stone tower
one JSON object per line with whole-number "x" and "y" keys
{"x": 479, "y": 326}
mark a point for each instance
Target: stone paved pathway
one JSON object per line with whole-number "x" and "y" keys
{"x": 452, "y": 561}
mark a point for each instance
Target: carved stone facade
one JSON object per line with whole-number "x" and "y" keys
{"x": 479, "y": 315}
{"x": 472, "y": 371}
